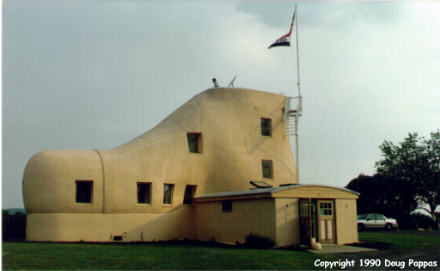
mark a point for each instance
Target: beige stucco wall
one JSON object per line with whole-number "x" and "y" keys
{"x": 273, "y": 216}
{"x": 345, "y": 211}
{"x": 287, "y": 222}
{"x": 346, "y": 221}
{"x": 255, "y": 216}
{"x": 233, "y": 147}
{"x": 49, "y": 181}
{"x": 99, "y": 227}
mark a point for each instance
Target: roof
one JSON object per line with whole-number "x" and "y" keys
{"x": 268, "y": 192}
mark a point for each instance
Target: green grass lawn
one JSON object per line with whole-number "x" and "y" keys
{"x": 148, "y": 256}
{"x": 406, "y": 239}
{"x": 24, "y": 256}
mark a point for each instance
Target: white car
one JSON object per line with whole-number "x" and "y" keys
{"x": 376, "y": 221}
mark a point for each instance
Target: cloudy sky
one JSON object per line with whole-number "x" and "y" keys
{"x": 95, "y": 74}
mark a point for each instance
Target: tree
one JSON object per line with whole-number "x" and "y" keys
{"x": 413, "y": 167}
{"x": 370, "y": 201}
{"x": 379, "y": 194}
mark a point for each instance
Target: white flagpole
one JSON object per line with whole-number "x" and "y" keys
{"x": 297, "y": 52}
{"x": 299, "y": 108}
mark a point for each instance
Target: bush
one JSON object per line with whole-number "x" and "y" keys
{"x": 258, "y": 241}
{"x": 422, "y": 221}
{"x": 14, "y": 226}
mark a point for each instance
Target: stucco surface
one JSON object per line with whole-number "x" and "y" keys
{"x": 233, "y": 147}
{"x": 229, "y": 121}
{"x": 346, "y": 221}
{"x": 287, "y": 221}
{"x": 256, "y": 216}
{"x": 99, "y": 227}
{"x": 232, "y": 150}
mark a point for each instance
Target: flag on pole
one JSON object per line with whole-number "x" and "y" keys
{"x": 284, "y": 40}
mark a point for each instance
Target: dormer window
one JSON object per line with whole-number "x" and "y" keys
{"x": 266, "y": 127}
{"x": 194, "y": 142}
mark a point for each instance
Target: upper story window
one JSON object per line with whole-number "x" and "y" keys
{"x": 84, "y": 191}
{"x": 194, "y": 142}
{"x": 267, "y": 168}
{"x": 168, "y": 190}
{"x": 266, "y": 127}
{"x": 144, "y": 193}
{"x": 189, "y": 194}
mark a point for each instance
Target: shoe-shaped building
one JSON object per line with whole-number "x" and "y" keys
{"x": 219, "y": 167}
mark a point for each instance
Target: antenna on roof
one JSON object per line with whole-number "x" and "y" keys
{"x": 232, "y": 81}
{"x": 214, "y": 81}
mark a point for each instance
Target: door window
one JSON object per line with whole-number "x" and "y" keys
{"x": 325, "y": 208}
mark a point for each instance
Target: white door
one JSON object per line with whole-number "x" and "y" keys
{"x": 326, "y": 218}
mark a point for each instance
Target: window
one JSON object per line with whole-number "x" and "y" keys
{"x": 194, "y": 142}
{"x": 84, "y": 191}
{"x": 189, "y": 194}
{"x": 266, "y": 165}
{"x": 227, "y": 206}
{"x": 168, "y": 193}
{"x": 325, "y": 208}
{"x": 266, "y": 127}
{"x": 380, "y": 217}
{"x": 144, "y": 193}
{"x": 371, "y": 217}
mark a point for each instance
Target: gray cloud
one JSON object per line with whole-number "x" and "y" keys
{"x": 335, "y": 13}
{"x": 95, "y": 74}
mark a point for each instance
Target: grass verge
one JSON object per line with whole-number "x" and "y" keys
{"x": 406, "y": 239}
{"x": 149, "y": 256}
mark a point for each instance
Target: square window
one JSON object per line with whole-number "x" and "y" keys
{"x": 168, "y": 193}
{"x": 227, "y": 206}
{"x": 326, "y": 208}
{"x": 266, "y": 127}
{"x": 266, "y": 166}
{"x": 84, "y": 191}
{"x": 189, "y": 194}
{"x": 194, "y": 142}
{"x": 144, "y": 193}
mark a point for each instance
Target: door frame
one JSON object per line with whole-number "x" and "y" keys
{"x": 326, "y": 220}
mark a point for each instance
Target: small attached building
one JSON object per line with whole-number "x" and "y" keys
{"x": 288, "y": 215}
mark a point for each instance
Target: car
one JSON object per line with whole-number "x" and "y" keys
{"x": 376, "y": 221}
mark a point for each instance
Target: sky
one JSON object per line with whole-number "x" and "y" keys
{"x": 95, "y": 74}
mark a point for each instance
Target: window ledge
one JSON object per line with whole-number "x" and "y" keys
{"x": 143, "y": 204}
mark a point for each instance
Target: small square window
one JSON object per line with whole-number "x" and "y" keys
{"x": 194, "y": 142}
{"x": 143, "y": 193}
{"x": 227, "y": 206}
{"x": 189, "y": 194}
{"x": 84, "y": 191}
{"x": 326, "y": 208}
{"x": 266, "y": 127}
{"x": 168, "y": 193}
{"x": 266, "y": 166}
